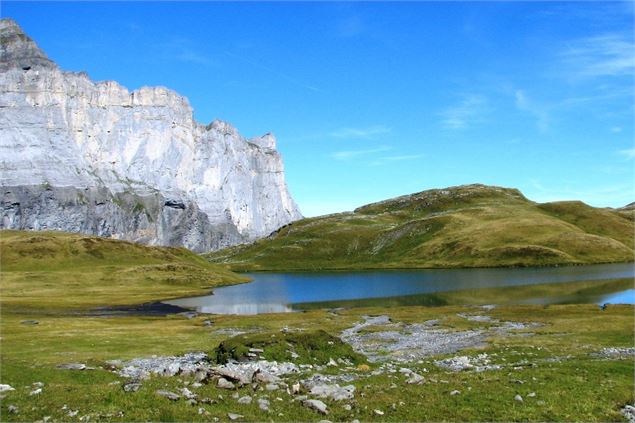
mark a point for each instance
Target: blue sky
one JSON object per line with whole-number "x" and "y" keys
{"x": 374, "y": 100}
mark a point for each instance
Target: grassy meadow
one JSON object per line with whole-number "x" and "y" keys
{"x": 56, "y": 279}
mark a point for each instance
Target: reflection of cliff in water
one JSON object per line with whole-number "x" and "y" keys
{"x": 259, "y": 298}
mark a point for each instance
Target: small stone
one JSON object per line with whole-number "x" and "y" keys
{"x": 415, "y": 379}
{"x": 191, "y": 402}
{"x": 347, "y": 407}
{"x": 169, "y": 395}
{"x": 265, "y": 377}
{"x": 225, "y": 384}
{"x": 72, "y": 366}
{"x": 6, "y": 388}
{"x": 256, "y": 350}
{"x": 378, "y": 412}
{"x": 207, "y": 323}
{"x": 38, "y": 384}
{"x": 332, "y": 363}
{"x": 131, "y": 387}
{"x": 271, "y": 387}
{"x": 316, "y": 405}
{"x": 203, "y": 411}
{"x": 37, "y": 391}
{"x": 29, "y": 322}
{"x": 518, "y": 398}
{"x": 12, "y": 409}
{"x": 295, "y": 388}
{"x": 233, "y": 416}
{"x": 188, "y": 394}
{"x": 531, "y": 394}
{"x": 244, "y": 400}
{"x": 455, "y": 392}
{"x": 201, "y": 376}
{"x": 72, "y": 413}
{"x": 263, "y": 404}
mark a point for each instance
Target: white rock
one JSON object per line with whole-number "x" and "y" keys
{"x": 316, "y": 405}
{"x": 378, "y": 412}
{"x": 415, "y": 379}
{"x": 37, "y": 391}
{"x": 455, "y": 392}
{"x": 225, "y": 384}
{"x": 334, "y": 392}
{"x": 518, "y": 398}
{"x": 244, "y": 400}
{"x": 93, "y": 157}
{"x": 263, "y": 404}
{"x": 6, "y": 388}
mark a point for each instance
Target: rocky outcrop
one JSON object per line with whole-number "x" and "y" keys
{"x": 92, "y": 157}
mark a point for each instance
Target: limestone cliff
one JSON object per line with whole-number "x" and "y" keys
{"x": 92, "y": 157}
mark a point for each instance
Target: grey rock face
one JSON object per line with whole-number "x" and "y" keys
{"x": 92, "y": 157}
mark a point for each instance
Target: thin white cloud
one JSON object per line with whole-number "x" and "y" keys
{"x": 600, "y": 56}
{"x": 469, "y": 111}
{"x": 628, "y": 153}
{"x": 369, "y": 132}
{"x": 539, "y": 112}
{"x": 351, "y": 154}
{"x": 275, "y": 72}
{"x": 392, "y": 159}
{"x": 183, "y": 50}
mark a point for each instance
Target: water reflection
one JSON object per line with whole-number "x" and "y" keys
{"x": 275, "y": 292}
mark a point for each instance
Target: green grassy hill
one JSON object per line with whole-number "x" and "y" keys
{"x": 57, "y": 270}
{"x": 464, "y": 226}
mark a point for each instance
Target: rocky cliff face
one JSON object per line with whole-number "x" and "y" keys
{"x": 92, "y": 157}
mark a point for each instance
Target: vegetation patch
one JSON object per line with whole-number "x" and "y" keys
{"x": 305, "y": 347}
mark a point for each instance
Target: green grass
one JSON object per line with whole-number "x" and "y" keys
{"x": 60, "y": 271}
{"x": 54, "y": 278}
{"x": 579, "y": 292}
{"x": 581, "y": 388}
{"x": 466, "y": 226}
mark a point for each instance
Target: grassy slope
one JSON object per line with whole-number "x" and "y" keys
{"x": 466, "y": 226}
{"x": 56, "y": 270}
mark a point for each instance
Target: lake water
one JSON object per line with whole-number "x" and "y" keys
{"x": 277, "y": 292}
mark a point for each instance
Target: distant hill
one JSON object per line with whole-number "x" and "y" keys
{"x": 463, "y": 226}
